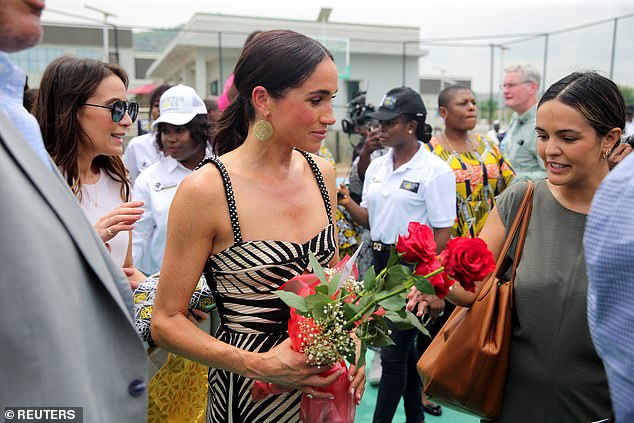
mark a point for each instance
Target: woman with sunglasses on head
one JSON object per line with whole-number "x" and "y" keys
{"x": 554, "y": 373}
{"x": 84, "y": 115}
{"x": 408, "y": 184}
{"x": 248, "y": 220}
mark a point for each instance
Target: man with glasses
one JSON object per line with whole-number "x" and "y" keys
{"x": 519, "y": 145}
{"x": 66, "y": 324}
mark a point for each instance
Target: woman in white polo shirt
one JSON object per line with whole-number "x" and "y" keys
{"x": 407, "y": 184}
{"x": 182, "y": 132}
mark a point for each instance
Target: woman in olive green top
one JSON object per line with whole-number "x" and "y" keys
{"x": 554, "y": 373}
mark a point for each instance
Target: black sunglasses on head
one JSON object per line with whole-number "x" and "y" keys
{"x": 118, "y": 109}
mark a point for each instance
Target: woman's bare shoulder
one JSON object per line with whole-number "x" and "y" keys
{"x": 203, "y": 185}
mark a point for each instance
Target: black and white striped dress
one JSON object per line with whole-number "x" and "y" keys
{"x": 243, "y": 279}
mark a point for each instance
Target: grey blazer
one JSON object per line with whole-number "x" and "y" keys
{"x": 67, "y": 336}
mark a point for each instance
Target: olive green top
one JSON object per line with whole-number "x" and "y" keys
{"x": 554, "y": 372}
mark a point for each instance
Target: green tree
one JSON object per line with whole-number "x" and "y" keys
{"x": 628, "y": 94}
{"x": 484, "y": 106}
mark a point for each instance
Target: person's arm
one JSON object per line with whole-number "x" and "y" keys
{"x": 370, "y": 144}
{"x": 135, "y": 277}
{"x": 144, "y": 227}
{"x": 494, "y": 234}
{"x": 198, "y": 205}
{"x": 359, "y": 214}
{"x": 441, "y": 236}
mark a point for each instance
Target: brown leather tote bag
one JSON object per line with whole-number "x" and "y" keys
{"x": 465, "y": 366}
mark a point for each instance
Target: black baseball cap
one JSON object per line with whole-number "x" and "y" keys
{"x": 400, "y": 101}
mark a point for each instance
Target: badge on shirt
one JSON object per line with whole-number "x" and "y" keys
{"x": 410, "y": 186}
{"x": 160, "y": 187}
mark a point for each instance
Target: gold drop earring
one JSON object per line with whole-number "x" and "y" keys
{"x": 262, "y": 129}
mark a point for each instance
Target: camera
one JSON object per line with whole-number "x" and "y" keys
{"x": 358, "y": 110}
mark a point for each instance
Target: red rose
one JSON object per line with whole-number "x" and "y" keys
{"x": 440, "y": 282}
{"x": 467, "y": 260}
{"x": 418, "y": 246}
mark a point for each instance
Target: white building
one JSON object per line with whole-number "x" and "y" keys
{"x": 371, "y": 58}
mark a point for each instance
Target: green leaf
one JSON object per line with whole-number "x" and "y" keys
{"x": 322, "y": 289}
{"x": 399, "y": 319}
{"x": 394, "y": 303}
{"x": 316, "y": 302}
{"x": 396, "y": 276}
{"x": 369, "y": 279}
{"x": 317, "y": 269}
{"x": 394, "y": 258}
{"x": 350, "y": 310}
{"x": 293, "y": 300}
{"x": 366, "y": 299}
{"x": 424, "y": 285}
{"x": 334, "y": 284}
{"x": 415, "y": 321}
{"x": 382, "y": 339}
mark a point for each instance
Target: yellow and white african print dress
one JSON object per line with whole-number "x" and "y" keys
{"x": 480, "y": 176}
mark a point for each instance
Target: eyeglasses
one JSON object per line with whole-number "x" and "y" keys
{"x": 118, "y": 109}
{"x": 513, "y": 84}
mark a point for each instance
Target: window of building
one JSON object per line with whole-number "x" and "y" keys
{"x": 352, "y": 89}
{"x": 35, "y": 60}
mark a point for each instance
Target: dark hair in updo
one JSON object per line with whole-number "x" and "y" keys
{"x": 277, "y": 60}
{"x": 595, "y": 97}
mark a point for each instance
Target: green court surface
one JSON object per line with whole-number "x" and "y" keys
{"x": 365, "y": 410}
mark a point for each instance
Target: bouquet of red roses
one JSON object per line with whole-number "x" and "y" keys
{"x": 332, "y": 312}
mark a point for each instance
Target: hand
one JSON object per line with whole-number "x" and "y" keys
{"x": 119, "y": 219}
{"x": 343, "y": 195}
{"x": 283, "y": 366}
{"x": 425, "y": 304}
{"x": 196, "y": 316}
{"x": 371, "y": 143}
{"x": 129, "y": 273}
{"x": 618, "y": 154}
{"x": 357, "y": 385}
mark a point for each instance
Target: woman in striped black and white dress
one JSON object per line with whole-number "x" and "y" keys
{"x": 248, "y": 220}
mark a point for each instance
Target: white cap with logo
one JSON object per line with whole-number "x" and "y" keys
{"x": 179, "y": 105}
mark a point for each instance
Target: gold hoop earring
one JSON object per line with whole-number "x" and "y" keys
{"x": 263, "y": 130}
{"x": 604, "y": 154}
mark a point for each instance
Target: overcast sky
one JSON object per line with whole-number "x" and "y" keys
{"x": 589, "y": 48}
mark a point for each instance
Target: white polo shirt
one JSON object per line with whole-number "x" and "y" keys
{"x": 156, "y": 187}
{"x": 140, "y": 153}
{"x": 421, "y": 190}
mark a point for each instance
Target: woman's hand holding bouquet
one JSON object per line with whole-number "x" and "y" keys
{"x": 335, "y": 317}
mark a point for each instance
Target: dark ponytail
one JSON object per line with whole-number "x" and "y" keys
{"x": 277, "y": 60}
{"x": 423, "y": 130}
{"x": 233, "y": 125}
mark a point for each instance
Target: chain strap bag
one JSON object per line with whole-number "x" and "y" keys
{"x": 465, "y": 366}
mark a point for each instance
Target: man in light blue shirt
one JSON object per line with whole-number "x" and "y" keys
{"x": 519, "y": 146}
{"x": 609, "y": 250}
{"x": 12, "y": 81}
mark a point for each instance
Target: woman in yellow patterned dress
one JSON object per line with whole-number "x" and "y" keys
{"x": 481, "y": 170}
